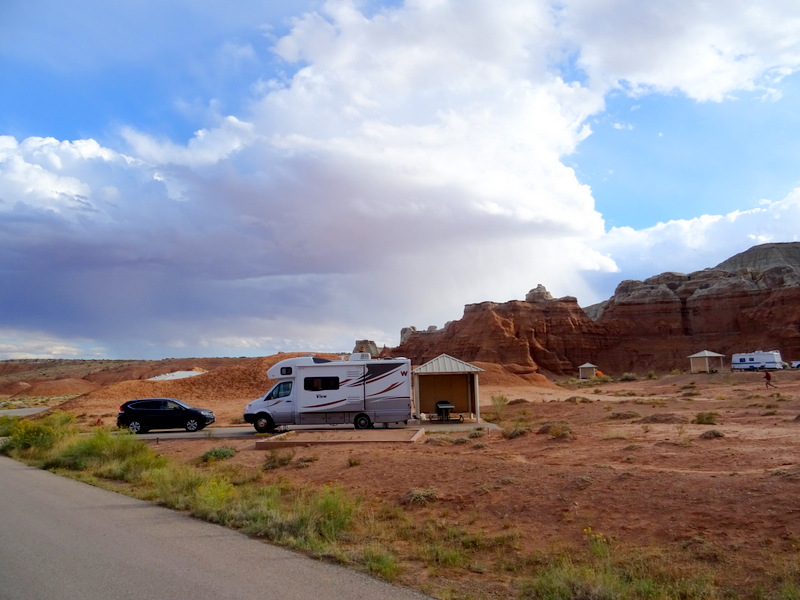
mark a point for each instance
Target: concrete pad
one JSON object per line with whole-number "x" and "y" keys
{"x": 335, "y": 436}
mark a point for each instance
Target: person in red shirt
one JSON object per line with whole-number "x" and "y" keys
{"x": 768, "y": 379}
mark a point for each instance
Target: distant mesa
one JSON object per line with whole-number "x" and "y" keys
{"x": 749, "y": 301}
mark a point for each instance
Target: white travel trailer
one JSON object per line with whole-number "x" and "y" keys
{"x": 753, "y": 361}
{"x": 315, "y": 391}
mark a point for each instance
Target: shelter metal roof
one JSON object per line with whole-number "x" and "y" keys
{"x": 444, "y": 363}
{"x": 705, "y": 354}
{"x": 588, "y": 364}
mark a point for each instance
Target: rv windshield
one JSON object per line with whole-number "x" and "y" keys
{"x": 283, "y": 389}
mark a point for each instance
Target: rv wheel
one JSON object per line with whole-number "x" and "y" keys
{"x": 362, "y": 421}
{"x": 264, "y": 424}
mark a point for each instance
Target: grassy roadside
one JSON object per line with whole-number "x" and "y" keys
{"x": 444, "y": 558}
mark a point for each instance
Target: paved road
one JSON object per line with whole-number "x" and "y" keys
{"x": 61, "y": 539}
{"x": 21, "y": 412}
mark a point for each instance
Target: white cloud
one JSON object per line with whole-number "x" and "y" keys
{"x": 707, "y": 50}
{"x": 25, "y": 344}
{"x": 413, "y": 162}
{"x": 693, "y": 244}
{"x": 207, "y": 146}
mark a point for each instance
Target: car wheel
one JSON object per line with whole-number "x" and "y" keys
{"x": 136, "y": 427}
{"x": 362, "y": 421}
{"x": 192, "y": 425}
{"x": 264, "y": 424}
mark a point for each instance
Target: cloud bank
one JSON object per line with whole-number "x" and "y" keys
{"x": 391, "y": 171}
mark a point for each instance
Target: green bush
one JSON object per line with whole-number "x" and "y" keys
{"x": 216, "y": 454}
{"x": 7, "y": 424}
{"x": 628, "y": 377}
{"x": 705, "y": 418}
{"x": 25, "y": 435}
{"x": 514, "y": 432}
{"x": 112, "y": 456}
{"x": 381, "y": 563}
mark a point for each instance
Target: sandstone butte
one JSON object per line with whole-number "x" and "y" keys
{"x": 749, "y": 302}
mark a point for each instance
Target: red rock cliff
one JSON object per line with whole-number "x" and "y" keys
{"x": 646, "y": 325}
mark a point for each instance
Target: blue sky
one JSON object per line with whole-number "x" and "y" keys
{"x": 186, "y": 178}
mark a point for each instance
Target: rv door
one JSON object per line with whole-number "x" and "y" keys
{"x": 280, "y": 403}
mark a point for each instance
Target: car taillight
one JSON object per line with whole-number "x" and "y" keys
{"x": 121, "y": 409}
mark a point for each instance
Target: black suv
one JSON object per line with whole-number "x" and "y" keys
{"x": 162, "y": 413}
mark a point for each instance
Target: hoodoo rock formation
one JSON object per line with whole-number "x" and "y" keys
{"x": 748, "y": 302}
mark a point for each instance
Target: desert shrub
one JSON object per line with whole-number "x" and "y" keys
{"x": 420, "y": 497}
{"x": 705, "y": 418}
{"x": 711, "y": 434}
{"x": 26, "y": 435}
{"x": 476, "y": 434}
{"x": 445, "y": 555}
{"x": 353, "y": 461}
{"x": 628, "y": 377}
{"x": 578, "y": 400}
{"x": 652, "y": 375}
{"x": 36, "y": 437}
{"x": 518, "y": 401}
{"x": 174, "y": 485}
{"x": 7, "y": 423}
{"x": 306, "y": 461}
{"x": 438, "y": 441}
{"x": 560, "y": 431}
{"x": 120, "y": 456}
{"x": 628, "y": 414}
{"x": 499, "y": 403}
{"x": 215, "y": 454}
{"x": 460, "y": 440}
{"x": 212, "y": 497}
{"x": 276, "y": 459}
{"x": 514, "y": 432}
{"x": 381, "y": 563}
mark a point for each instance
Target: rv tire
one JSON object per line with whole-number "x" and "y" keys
{"x": 362, "y": 421}
{"x": 264, "y": 424}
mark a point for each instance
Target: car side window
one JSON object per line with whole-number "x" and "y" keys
{"x": 147, "y": 405}
{"x": 172, "y": 405}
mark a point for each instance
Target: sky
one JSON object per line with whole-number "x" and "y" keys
{"x": 189, "y": 178}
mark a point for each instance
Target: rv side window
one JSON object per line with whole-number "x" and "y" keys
{"x": 316, "y": 384}
{"x": 742, "y": 360}
{"x": 286, "y": 370}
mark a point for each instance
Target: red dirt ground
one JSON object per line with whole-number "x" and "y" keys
{"x": 730, "y": 498}
{"x": 634, "y": 467}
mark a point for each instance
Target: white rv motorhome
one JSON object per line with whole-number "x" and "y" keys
{"x": 315, "y": 391}
{"x": 753, "y": 361}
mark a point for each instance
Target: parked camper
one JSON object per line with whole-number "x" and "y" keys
{"x": 311, "y": 391}
{"x": 753, "y": 361}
